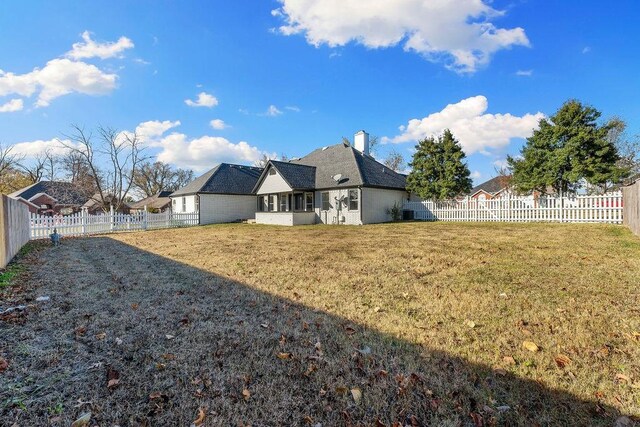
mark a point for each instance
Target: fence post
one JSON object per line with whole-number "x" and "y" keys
{"x": 83, "y": 221}
{"x": 144, "y": 218}
{"x": 112, "y": 218}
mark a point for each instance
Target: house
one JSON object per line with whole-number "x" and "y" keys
{"x": 96, "y": 205}
{"x": 159, "y": 202}
{"x": 494, "y": 188}
{"x": 224, "y": 194}
{"x": 338, "y": 184}
{"x": 51, "y": 197}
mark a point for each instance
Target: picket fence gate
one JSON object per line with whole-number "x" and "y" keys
{"x": 83, "y": 224}
{"x": 605, "y": 208}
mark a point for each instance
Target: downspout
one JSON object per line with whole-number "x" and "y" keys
{"x": 199, "y": 209}
{"x": 361, "y": 204}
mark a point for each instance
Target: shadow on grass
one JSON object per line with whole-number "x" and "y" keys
{"x": 178, "y": 339}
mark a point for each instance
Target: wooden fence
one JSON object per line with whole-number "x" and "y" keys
{"x": 632, "y": 206}
{"x": 605, "y": 208}
{"x": 82, "y": 224}
{"x": 14, "y": 229}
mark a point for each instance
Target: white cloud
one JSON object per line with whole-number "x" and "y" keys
{"x": 150, "y": 131}
{"x": 218, "y": 124}
{"x": 11, "y": 106}
{"x": 272, "y": 111}
{"x": 476, "y": 130}
{"x": 586, "y": 49}
{"x": 141, "y": 61}
{"x": 524, "y": 73}
{"x": 62, "y": 76}
{"x": 91, "y": 49}
{"x": 204, "y": 100}
{"x": 31, "y": 149}
{"x": 293, "y": 108}
{"x": 456, "y": 32}
{"x": 476, "y": 175}
{"x": 205, "y": 152}
{"x": 501, "y": 163}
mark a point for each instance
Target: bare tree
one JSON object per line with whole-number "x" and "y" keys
{"x": 8, "y": 159}
{"x": 122, "y": 153}
{"x": 374, "y": 143}
{"x": 41, "y": 167}
{"x": 394, "y": 161}
{"x": 264, "y": 159}
{"x": 151, "y": 178}
{"x": 628, "y": 148}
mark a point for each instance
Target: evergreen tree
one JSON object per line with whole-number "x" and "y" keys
{"x": 568, "y": 149}
{"x": 438, "y": 168}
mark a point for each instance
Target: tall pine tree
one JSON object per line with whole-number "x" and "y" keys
{"x": 438, "y": 168}
{"x": 567, "y": 150}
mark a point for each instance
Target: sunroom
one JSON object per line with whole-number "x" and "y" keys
{"x": 285, "y": 194}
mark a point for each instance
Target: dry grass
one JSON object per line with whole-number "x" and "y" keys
{"x": 440, "y": 309}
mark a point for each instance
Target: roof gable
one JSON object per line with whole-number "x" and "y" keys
{"x": 492, "y": 186}
{"x": 65, "y": 193}
{"x": 223, "y": 179}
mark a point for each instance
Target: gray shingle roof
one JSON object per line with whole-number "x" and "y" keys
{"x": 493, "y": 185}
{"x": 223, "y": 179}
{"x": 357, "y": 169}
{"x": 66, "y": 193}
{"x": 299, "y": 177}
{"x": 157, "y": 201}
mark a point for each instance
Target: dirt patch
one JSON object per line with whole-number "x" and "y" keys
{"x": 242, "y": 325}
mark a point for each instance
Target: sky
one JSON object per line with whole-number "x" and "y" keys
{"x": 204, "y": 82}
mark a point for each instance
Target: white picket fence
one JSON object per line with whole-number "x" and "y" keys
{"x": 605, "y": 208}
{"x": 83, "y": 224}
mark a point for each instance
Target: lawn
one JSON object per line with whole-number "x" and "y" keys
{"x": 411, "y": 323}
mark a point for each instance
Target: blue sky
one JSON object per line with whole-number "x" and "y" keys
{"x": 288, "y": 77}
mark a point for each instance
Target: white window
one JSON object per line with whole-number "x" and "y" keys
{"x": 184, "y": 204}
{"x": 325, "y": 201}
{"x": 308, "y": 204}
{"x": 273, "y": 200}
{"x": 197, "y": 203}
{"x": 284, "y": 205}
{"x": 353, "y": 200}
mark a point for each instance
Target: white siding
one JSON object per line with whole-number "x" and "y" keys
{"x": 218, "y": 208}
{"x": 190, "y": 204}
{"x": 273, "y": 184}
{"x": 331, "y": 216}
{"x": 376, "y": 202}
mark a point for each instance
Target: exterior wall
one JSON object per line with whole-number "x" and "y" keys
{"x": 286, "y": 218}
{"x": 273, "y": 184}
{"x": 375, "y": 203}
{"x": 631, "y": 207}
{"x": 190, "y": 204}
{"x": 14, "y": 228}
{"x": 218, "y": 208}
{"x": 331, "y": 216}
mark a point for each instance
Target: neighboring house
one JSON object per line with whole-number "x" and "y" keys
{"x": 339, "y": 184}
{"x": 159, "y": 202}
{"x": 494, "y": 188}
{"x": 95, "y": 205}
{"x": 51, "y": 197}
{"x": 224, "y": 194}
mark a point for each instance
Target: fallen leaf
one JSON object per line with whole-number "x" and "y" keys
{"x": 246, "y": 393}
{"x": 113, "y": 383}
{"x": 622, "y": 377}
{"x": 509, "y": 360}
{"x": 284, "y": 355}
{"x": 264, "y": 325}
{"x": 135, "y": 306}
{"x": 169, "y": 337}
{"x": 113, "y": 378}
{"x": 82, "y": 421}
{"x": 168, "y": 356}
{"x": 101, "y": 335}
{"x": 3, "y": 364}
{"x": 357, "y": 395}
{"x": 155, "y": 395}
{"x": 200, "y": 418}
{"x": 531, "y": 346}
{"x": 383, "y": 373}
{"x": 477, "y": 419}
{"x": 341, "y": 390}
{"x": 80, "y": 330}
{"x": 349, "y": 330}
{"x": 500, "y": 371}
{"x": 562, "y": 361}
{"x": 312, "y": 368}
{"x": 470, "y": 323}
